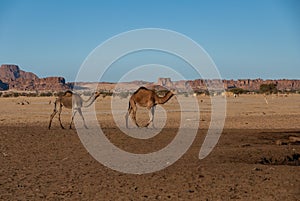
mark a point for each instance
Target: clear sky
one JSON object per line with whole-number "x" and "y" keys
{"x": 246, "y": 39}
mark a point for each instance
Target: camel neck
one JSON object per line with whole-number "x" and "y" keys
{"x": 89, "y": 101}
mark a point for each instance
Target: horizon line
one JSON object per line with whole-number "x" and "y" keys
{"x": 175, "y": 80}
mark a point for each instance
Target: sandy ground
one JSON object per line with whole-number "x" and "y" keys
{"x": 41, "y": 164}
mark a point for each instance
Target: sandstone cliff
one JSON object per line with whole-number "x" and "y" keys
{"x": 3, "y": 86}
{"x": 15, "y": 79}
{"x": 165, "y": 82}
{"x": 253, "y": 85}
{"x": 247, "y": 84}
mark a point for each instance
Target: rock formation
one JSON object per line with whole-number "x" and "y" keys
{"x": 10, "y": 73}
{"x": 3, "y": 86}
{"x": 247, "y": 84}
{"x": 165, "y": 82}
{"x": 253, "y": 85}
{"x": 13, "y": 78}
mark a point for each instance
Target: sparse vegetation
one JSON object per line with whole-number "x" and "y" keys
{"x": 46, "y": 94}
{"x": 6, "y": 95}
{"x": 199, "y": 92}
{"x": 124, "y": 94}
{"x": 268, "y": 88}
{"x": 107, "y": 93}
{"x": 32, "y": 94}
{"x": 238, "y": 91}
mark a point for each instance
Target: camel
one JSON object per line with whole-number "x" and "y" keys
{"x": 73, "y": 101}
{"x": 145, "y": 98}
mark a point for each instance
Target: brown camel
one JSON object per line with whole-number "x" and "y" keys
{"x": 72, "y": 100}
{"x": 145, "y": 98}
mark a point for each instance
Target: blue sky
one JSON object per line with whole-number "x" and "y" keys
{"x": 246, "y": 39}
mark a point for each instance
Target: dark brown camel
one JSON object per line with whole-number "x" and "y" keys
{"x": 145, "y": 98}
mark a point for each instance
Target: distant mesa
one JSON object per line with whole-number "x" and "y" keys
{"x": 12, "y": 78}
{"x": 254, "y": 85}
{"x": 165, "y": 82}
{"x": 247, "y": 84}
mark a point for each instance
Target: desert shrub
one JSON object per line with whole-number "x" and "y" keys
{"x": 239, "y": 91}
{"x": 46, "y": 94}
{"x": 206, "y": 92}
{"x": 0, "y": 94}
{"x": 124, "y": 94}
{"x": 15, "y": 94}
{"x": 32, "y": 94}
{"x": 87, "y": 93}
{"x": 6, "y": 95}
{"x": 186, "y": 94}
{"x": 268, "y": 88}
{"x": 199, "y": 92}
{"x": 293, "y": 91}
{"x": 107, "y": 93}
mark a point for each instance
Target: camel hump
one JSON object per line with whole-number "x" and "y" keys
{"x": 68, "y": 93}
{"x": 141, "y": 88}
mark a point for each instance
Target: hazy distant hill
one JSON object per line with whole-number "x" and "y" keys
{"x": 12, "y": 78}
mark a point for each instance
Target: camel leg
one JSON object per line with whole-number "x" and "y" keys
{"x": 73, "y": 115}
{"x": 80, "y": 113}
{"x": 127, "y": 114}
{"x": 133, "y": 116}
{"x": 52, "y": 116}
{"x": 152, "y": 113}
{"x": 59, "y": 112}
{"x": 151, "y": 116}
{"x": 131, "y": 110}
{"x": 153, "y": 110}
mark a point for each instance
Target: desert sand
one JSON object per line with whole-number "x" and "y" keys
{"x": 247, "y": 164}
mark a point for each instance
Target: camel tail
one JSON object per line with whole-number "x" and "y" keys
{"x": 127, "y": 114}
{"x": 129, "y": 106}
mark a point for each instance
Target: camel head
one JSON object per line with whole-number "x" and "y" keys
{"x": 92, "y": 99}
{"x": 98, "y": 94}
